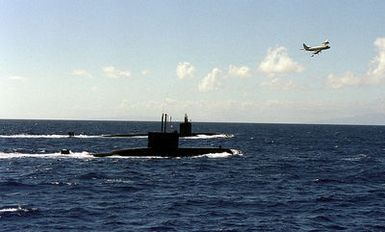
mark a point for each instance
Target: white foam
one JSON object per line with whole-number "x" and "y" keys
{"x": 128, "y": 137}
{"x": 75, "y": 155}
{"x": 234, "y": 152}
{"x": 136, "y": 157}
{"x": 88, "y": 155}
{"x": 81, "y": 136}
{"x": 203, "y": 136}
{"x": 6, "y": 210}
{"x": 358, "y": 157}
{"x": 14, "y": 209}
{"x": 86, "y": 136}
{"x": 53, "y": 136}
{"x": 27, "y": 136}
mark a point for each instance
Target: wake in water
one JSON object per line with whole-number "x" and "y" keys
{"x": 208, "y": 155}
{"x": 54, "y": 136}
{"x": 221, "y": 155}
{"x": 203, "y": 136}
{"x": 81, "y": 136}
{"x": 72, "y": 155}
{"x": 88, "y": 155}
{"x": 18, "y": 210}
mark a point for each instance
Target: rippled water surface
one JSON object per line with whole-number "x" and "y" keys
{"x": 285, "y": 178}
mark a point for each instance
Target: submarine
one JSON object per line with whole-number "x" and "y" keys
{"x": 166, "y": 144}
{"x": 185, "y": 130}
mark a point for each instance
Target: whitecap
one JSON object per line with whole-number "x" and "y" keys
{"x": 137, "y": 157}
{"x": 234, "y": 152}
{"x": 53, "y": 136}
{"x": 28, "y": 136}
{"x": 355, "y": 158}
{"x": 15, "y": 209}
{"x": 8, "y": 210}
{"x": 76, "y": 155}
{"x": 204, "y": 136}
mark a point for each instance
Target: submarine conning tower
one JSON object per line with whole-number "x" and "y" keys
{"x": 185, "y": 127}
{"x": 163, "y": 141}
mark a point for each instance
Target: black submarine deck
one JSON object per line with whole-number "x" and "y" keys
{"x": 180, "y": 152}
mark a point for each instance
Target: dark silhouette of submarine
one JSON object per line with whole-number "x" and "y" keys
{"x": 166, "y": 144}
{"x": 185, "y": 130}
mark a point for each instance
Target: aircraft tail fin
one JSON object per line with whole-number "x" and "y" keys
{"x": 305, "y": 47}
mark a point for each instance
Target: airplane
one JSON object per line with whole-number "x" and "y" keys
{"x": 317, "y": 49}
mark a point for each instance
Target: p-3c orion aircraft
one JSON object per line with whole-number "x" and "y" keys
{"x": 317, "y": 49}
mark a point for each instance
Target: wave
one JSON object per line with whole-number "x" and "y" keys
{"x": 204, "y": 136}
{"x": 197, "y": 136}
{"x": 88, "y": 155}
{"x": 74, "y": 155}
{"x": 12, "y": 209}
{"x": 123, "y": 136}
{"x": 53, "y": 136}
{"x": 234, "y": 152}
{"x": 81, "y": 136}
{"x": 356, "y": 158}
{"x": 16, "y": 211}
{"x": 138, "y": 157}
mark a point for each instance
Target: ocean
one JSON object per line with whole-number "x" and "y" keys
{"x": 283, "y": 177}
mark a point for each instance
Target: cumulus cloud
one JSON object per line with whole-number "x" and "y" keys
{"x": 374, "y": 75}
{"x": 17, "y": 78}
{"x": 376, "y": 72}
{"x": 277, "y": 83}
{"x": 277, "y": 61}
{"x": 145, "y": 72}
{"x": 81, "y": 73}
{"x": 211, "y": 81}
{"x": 347, "y": 79}
{"x": 112, "y": 72}
{"x": 242, "y": 71}
{"x": 185, "y": 70}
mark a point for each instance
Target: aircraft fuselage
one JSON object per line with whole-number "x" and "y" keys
{"x": 317, "y": 48}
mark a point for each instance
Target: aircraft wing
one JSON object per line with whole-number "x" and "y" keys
{"x": 316, "y": 52}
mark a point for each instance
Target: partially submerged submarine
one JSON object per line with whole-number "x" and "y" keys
{"x": 185, "y": 130}
{"x": 166, "y": 144}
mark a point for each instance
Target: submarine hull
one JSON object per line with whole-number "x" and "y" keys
{"x": 165, "y": 144}
{"x": 179, "y": 152}
{"x": 145, "y": 134}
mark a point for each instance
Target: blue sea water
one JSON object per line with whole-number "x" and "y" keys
{"x": 285, "y": 178}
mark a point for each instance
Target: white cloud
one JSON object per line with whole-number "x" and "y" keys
{"x": 112, "y": 72}
{"x": 241, "y": 72}
{"x": 185, "y": 70}
{"x": 17, "y": 78}
{"x": 376, "y": 72}
{"x": 95, "y": 88}
{"x": 277, "y": 61}
{"x": 81, "y": 73}
{"x": 145, "y": 72}
{"x": 347, "y": 79}
{"x": 374, "y": 75}
{"x": 211, "y": 81}
{"x": 277, "y": 83}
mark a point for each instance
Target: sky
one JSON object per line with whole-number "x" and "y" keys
{"x": 217, "y": 61}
